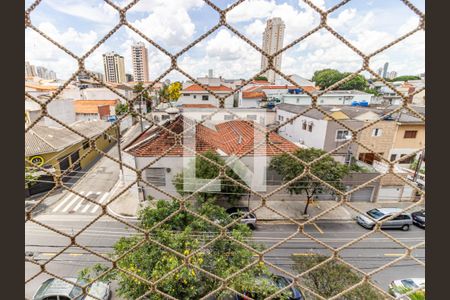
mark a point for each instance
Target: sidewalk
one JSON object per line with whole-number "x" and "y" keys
{"x": 128, "y": 204}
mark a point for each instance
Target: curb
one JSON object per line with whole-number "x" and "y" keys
{"x": 111, "y": 193}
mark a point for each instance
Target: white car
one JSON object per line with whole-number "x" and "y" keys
{"x": 399, "y": 287}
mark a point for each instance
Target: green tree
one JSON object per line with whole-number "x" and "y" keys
{"x": 405, "y": 78}
{"x": 332, "y": 278}
{"x": 359, "y": 82}
{"x": 327, "y": 77}
{"x": 185, "y": 234}
{"x": 261, "y": 78}
{"x": 170, "y": 93}
{"x": 207, "y": 170}
{"x": 139, "y": 88}
{"x": 121, "y": 109}
{"x": 372, "y": 91}
{"x": 327, "y": 169}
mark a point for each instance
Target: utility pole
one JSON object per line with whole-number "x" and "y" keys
{"x": 140, "y": 114}
{"x": 118, "y": 148}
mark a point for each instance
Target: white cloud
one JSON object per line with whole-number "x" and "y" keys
{"x": 94, "y": 11}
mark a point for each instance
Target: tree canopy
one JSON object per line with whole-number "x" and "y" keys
{"x": 332, "y": 278}
{"x": 327, "y": 169}
{"x": 261, "y": 78}
{"x": 139, "y": 88}
{"x": 184, "y": 234}
{"x": 171, "y": 92}
{"x": 327, "y": 77}
{"x": 206, "y": 170}
{"x": 405, "y": 78}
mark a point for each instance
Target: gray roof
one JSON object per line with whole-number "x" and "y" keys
{"x": 46, "y": 139}
{"x": 354, "y": 111}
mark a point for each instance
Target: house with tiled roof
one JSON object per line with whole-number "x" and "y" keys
{"x": 94, "y": 109}
{"x": 196, "y": 94}
{"x": 162, "y": 151}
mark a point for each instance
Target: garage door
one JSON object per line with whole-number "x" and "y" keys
{"x": 364, "y": 194}
{"x": 390, "y": 193}
{"x": 407, "y": 193}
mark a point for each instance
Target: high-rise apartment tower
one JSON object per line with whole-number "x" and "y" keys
{"x": 273, "y": 37}
{"x": 139, "y": 55}
{"x": 114, "y": 67}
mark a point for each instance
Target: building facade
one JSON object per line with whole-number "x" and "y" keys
{"x": 273, "y": 37}
{"x": 114, "y": 67}
{"x": 139, "y": 56}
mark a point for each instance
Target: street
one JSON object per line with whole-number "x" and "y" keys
{"x": 375, "y": 251}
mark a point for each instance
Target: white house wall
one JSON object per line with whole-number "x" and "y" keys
{"x": 295, "y": 133}
{"x": 184, "y": 99}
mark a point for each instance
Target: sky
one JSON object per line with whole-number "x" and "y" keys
{"x": 368, "y": 24}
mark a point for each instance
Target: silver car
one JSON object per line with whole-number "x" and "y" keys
{"x": 237, "y": 212}
{"x": 399, "y": 287}
{"x": 402, "y": 221}
{"x": 57, "y": 289}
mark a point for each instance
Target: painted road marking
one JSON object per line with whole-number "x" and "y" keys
{"x": 81, "y": 201}
{"x": 63, "y": 202}
{"x": 103, "y": 198}
{"x": 86, "y": 207}
{"x": 394, "y": 254}
{"x": 72, "y": 202}
{"x": 318, "y": 228}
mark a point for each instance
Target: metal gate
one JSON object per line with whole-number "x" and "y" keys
{"x": 362, "y": 195}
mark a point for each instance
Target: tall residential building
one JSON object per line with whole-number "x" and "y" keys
{"x": 30, "y": 70}
{"x": 392, "y": 75}
{"x": 385, "y": 69}
{"x": 139, "y": 55}
{"x": 114, "y": 67}
{"x": 380, "y": 71}
{"x": 273, "y": 37}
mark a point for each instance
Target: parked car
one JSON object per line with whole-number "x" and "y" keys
{"x": 402, "y": 221}
{"x": 57, "y": 289}
{"x": 276, "y": 280}
{"x": 402, "y": 286}
{"x": 237, "y": 212}
{"x": 419, "y": 218}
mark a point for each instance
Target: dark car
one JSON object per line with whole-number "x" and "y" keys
{"x": 237, "y": 212}
{"x": 419, "y": 218}
{"x": 276, "y": 280}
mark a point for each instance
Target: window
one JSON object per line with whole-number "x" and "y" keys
{"x": 377, "y": 132}
{"x": 310, "y": 126}
{"x": 156, "y": 176}
{"x": 205, "y": 97}
{"x": 187, "y": 94}
{"x": 195, "y": 96}
{"x": 410, "y": 134}
{"x": 85, "y": 144}
{"x": 252, "y": 117}
{"x": 105, "y": 136}
{"x": 228, "y": 117}
{"x": 408, "y": 160}
{"x": 393, "y": 157}
{"x": 304, "y": 125}
{"x": 280, "y": 118}
{"x": 298, "y": 100}
{"x": 341, "y": 134}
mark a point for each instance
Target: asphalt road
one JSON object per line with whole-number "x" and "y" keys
{"x": 375, "y": 251}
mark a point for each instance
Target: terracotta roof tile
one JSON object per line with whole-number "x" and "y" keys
{"x": 235, "y": 137}
{"x": 251, "y": 95}
{"x": 198, "y": 88}
{"x": 91, "y": 106}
